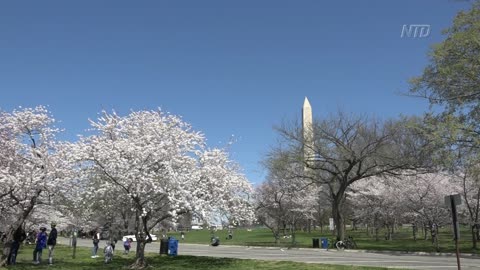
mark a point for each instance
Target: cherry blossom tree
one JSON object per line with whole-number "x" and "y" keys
{"x": 281, "y": 201}
{"x": 389, "y": 199}
{"x": 161, "y": 169}
{"x": 31, "y": 165}
{"x": 269, "y": 209}
{"x": 376, "y": 202}
{"x": 423, "y": 195}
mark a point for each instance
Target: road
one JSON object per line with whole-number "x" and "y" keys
{"x": 313, "y": 256}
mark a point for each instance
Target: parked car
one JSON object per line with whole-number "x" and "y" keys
{"x": 196, "y": 227}
{"x": 154, "y": 237}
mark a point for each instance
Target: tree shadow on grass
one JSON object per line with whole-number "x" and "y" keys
{"x": 63, "y": 261}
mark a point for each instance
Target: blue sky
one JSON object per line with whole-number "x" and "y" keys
{"x": 227, "y": 67}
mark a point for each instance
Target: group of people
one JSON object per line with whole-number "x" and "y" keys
{"x": 109, "y": 249}
{"x": 42, "y": 240}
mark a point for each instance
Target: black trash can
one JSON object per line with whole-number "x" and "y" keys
{"x": 164, "y": 246}
{"x": 316, "y": 242}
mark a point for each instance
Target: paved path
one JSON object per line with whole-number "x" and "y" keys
{"x": 314, "y": 256}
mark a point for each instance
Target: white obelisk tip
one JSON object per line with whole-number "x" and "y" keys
{"x": 306, "y": 104}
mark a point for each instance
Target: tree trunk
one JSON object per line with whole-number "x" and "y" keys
{"x": 474, "y": 236}
{"x": 140, "y": 262}
{"x": 337, "y": 206}
{"x": 6, "y": 249}
{"x": 293, "y": 234}
{"x": 9, "y": 241}
{"x": 17, "y": 224}
{"x": 141, "y": 235}
{"x": 375, "y": 227}
{"x": 434, "y": 235}
{"x": 389, "y": 232}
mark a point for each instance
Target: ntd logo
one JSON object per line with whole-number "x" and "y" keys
{"x": 415, "y": 31}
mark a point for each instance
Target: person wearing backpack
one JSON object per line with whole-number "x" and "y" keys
{"x": 41, "y": 244}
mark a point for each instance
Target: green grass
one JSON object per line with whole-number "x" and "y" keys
{"x": 402, "y": 240}
{"x": 63, "y": 260}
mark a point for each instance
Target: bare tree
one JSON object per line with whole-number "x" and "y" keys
{"x": 346, "y": 149}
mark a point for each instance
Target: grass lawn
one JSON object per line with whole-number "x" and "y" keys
{"x": 63, "y": 260}
{"x": 402, "y": 239}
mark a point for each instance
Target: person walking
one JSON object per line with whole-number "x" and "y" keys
{"x": 18, "y": 238}
{"x": 95, "y": 246}
{"x": 113, "y": 243}
{"x": 51, "y": 242}
{"x": 41, "y": 244}
{"x": 127, "y": 244}
{"x": 108, "y": 252}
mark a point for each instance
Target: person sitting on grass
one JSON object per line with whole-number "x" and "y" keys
{"x": 108, "y": 252}
{"x": 127, "y": 244}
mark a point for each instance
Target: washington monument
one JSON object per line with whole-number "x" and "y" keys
{"x": 307, "y": 124}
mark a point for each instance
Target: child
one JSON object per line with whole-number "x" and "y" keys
{"x": 108, "y": 252}
{"x": 127, "y": 245}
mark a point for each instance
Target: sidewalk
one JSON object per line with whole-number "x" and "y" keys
{"x": 392, "y": 252}
{"x": 419, "y": 253}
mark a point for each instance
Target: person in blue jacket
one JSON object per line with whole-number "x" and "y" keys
{"x": 41, "y": 244}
